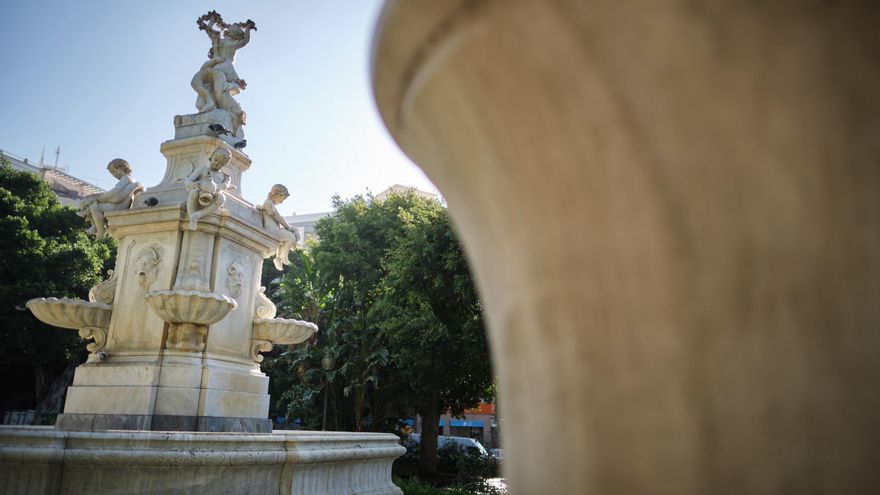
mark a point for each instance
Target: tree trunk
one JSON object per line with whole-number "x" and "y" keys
{"x": 430, "y": 430}
{"x": 334, "y": 409}
{"x": 40, "y": 385}
{"x": 52, "y": 400}
{"x": 358, "y": 412}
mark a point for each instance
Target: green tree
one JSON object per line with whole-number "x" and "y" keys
{"x": 338, "y": 281}
{"x": 389, "y": 286}
{"x": 297, "y": 384}
{"x": 44, "y": 251}
{"x": 433, "y": 320}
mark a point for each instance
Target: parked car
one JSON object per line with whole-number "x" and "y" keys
{"x": 469, "y": 445}
{"x": 496, "y": 454}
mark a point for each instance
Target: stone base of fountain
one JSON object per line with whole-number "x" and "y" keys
{"x": 154, "y": 422}
{"x": 45, "y": 460}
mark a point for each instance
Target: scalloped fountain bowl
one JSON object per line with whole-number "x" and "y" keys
{"x": 189, "y": 306}
{"x": 71, "y": 313}
{"x": 282, "y": 331}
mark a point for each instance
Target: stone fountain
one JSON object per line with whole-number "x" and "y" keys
{"x": 172, "y": 397}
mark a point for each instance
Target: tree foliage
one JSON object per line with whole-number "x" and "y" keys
{"x": 432, "y": 317}
{"x": 44, "y": 251}
{"x": 388, "y": 285}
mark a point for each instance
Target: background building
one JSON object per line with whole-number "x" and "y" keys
{"x": 401, "y": 189}
{"x": 479, "y": 423}
{"x": 306, "y": 223}
{"x": 69, "y": 189}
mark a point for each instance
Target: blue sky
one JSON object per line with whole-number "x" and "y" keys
{"x": 104, "y": 79}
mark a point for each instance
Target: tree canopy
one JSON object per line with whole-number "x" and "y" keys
{"x": 44, "y": 251}
{"x": 401, "y": 326}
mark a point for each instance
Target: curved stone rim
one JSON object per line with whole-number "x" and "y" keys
{"x": 44, "y": 307}
{"x": 159, "y": 298}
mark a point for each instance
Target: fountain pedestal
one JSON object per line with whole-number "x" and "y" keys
{"x": 178, "y": 356}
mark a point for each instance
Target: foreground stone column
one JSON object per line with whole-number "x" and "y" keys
{"x": 673, "y": 213}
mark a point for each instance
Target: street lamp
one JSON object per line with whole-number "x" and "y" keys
{"x": 328, "y": 363}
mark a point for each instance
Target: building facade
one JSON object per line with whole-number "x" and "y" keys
{"x": 69, "y": 189}
{"x": 480, "y": 423}
{"x": 305, "y": 223}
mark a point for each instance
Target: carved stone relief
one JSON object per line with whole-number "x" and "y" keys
{"x": 147, "y": 266}
{"x": 235, "y": 275}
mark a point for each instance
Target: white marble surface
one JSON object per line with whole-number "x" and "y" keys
{"x": 93, "y": 208}
{"x": 149, "y": 366}
{"x": 42, "y": 460}
{"x": 145, "y": 367}
{"x": 217, "y": 82}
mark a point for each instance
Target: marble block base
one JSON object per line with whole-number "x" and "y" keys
{"x": 197, "y": 125}
{"x": 45, "y": 460}
{"x": 178, "y": 392}
{"x": 146, "y": 422}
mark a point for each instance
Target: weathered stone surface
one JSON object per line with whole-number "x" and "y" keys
{"x": 150, "y": 366}
{"x": 161, "y": 422}
{"x": 99, "y": 422}
{"x": 672, "y": 210}
{"x": 198, "y": 124}
{"x": 231, "y": 424}
{"x": 42, "y": 460}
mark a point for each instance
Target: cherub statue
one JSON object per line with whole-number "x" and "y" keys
{"x": 217, "y": 82}
{"x": 278, "y": 226}
{"x": 207, "y": 186}
{"x": 120, "y": 197}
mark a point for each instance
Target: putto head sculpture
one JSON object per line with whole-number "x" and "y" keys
{"x": 216, "y": 82}
{"x": 118, "y": 167}
{"x": 207, "y": 186}
{"x": 275, "y": 223}
{"x": 279, "y": 193}
{"x": 120, "y": 197}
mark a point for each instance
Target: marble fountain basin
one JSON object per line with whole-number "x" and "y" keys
{"x": 71, "y": 313}
{"x": 190, "y": 306}
{"x": 283, "y": 331}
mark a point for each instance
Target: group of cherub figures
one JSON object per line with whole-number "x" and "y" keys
{"x": 207, "y": 187}
{"x": 216, "y": 82}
